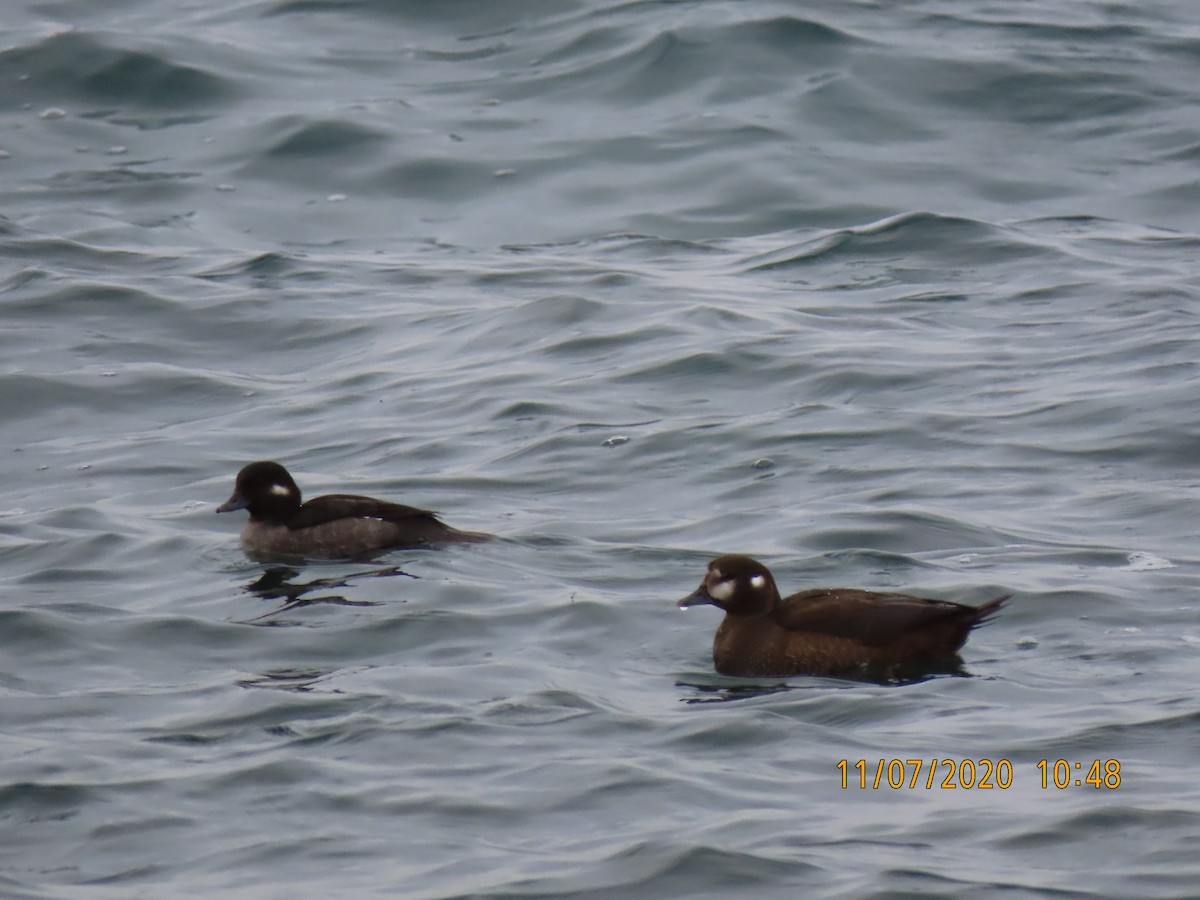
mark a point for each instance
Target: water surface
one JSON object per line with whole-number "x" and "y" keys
{"x": 899, "y": 297}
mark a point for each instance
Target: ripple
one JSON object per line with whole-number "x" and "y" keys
{"x": 79, "y": 64}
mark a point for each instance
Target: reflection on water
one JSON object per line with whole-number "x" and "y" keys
{"x": 276, "y": 583}
{"x": 302, "y": 680}
{"x": 726, "y": 693}
{"x": 724, "y": 690}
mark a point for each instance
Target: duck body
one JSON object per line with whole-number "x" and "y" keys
{"x": 334, "y": 526}
{"x": 829, "y": 631}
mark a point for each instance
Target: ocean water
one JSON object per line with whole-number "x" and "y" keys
{"x": 888, "y": 295}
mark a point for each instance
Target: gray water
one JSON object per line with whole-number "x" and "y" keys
{"x": 889, "y": 295}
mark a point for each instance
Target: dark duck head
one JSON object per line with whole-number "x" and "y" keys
{"x": 267, "y": 491}
{"x": 739, "y": 585}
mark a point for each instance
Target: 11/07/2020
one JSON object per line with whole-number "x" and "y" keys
{"x": 967, "y": 774}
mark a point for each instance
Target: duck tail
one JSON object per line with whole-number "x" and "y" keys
{"x": 986, "y": 611}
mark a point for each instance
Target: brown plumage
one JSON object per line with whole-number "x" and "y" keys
{"x": 334, "y": 526}
{"x": 829, "y": 631}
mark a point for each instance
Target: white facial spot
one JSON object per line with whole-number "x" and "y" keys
{"x": 757, "y": 582}
{"x": 722, "y": 590}
{"x": 281, "y": 490}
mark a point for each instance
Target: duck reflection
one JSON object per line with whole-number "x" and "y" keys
{"x": 300, "y": 680}
{"x": 721, "y": 690}
{"x": 278, "y": 583}
{"x": 729, "y": 693}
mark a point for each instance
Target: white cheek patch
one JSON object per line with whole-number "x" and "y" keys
{"x": 722, "y": 590}
{"x": 281, "y": 490}
{"x": 757, "y": 582}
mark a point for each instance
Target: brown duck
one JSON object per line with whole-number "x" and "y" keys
{"x": 829, "y": 631}
{"x": 334, "y": 526}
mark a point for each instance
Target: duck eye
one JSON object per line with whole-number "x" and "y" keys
{"x": 757, "y": 582}
{"x": 281, "y": 490}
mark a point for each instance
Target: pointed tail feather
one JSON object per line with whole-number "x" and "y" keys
{"x": 986, "y": 611}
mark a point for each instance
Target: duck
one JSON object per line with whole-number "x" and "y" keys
{"x": 333, "y": 526}
{"x": 830, "y": 631}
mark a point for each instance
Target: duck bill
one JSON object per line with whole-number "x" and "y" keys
{"x": 236, "y": 501}
{"x": 698, "y": 597}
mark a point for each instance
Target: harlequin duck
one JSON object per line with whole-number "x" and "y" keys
{"x": 829, "y": 631}
{"x": 335, "y": 526}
